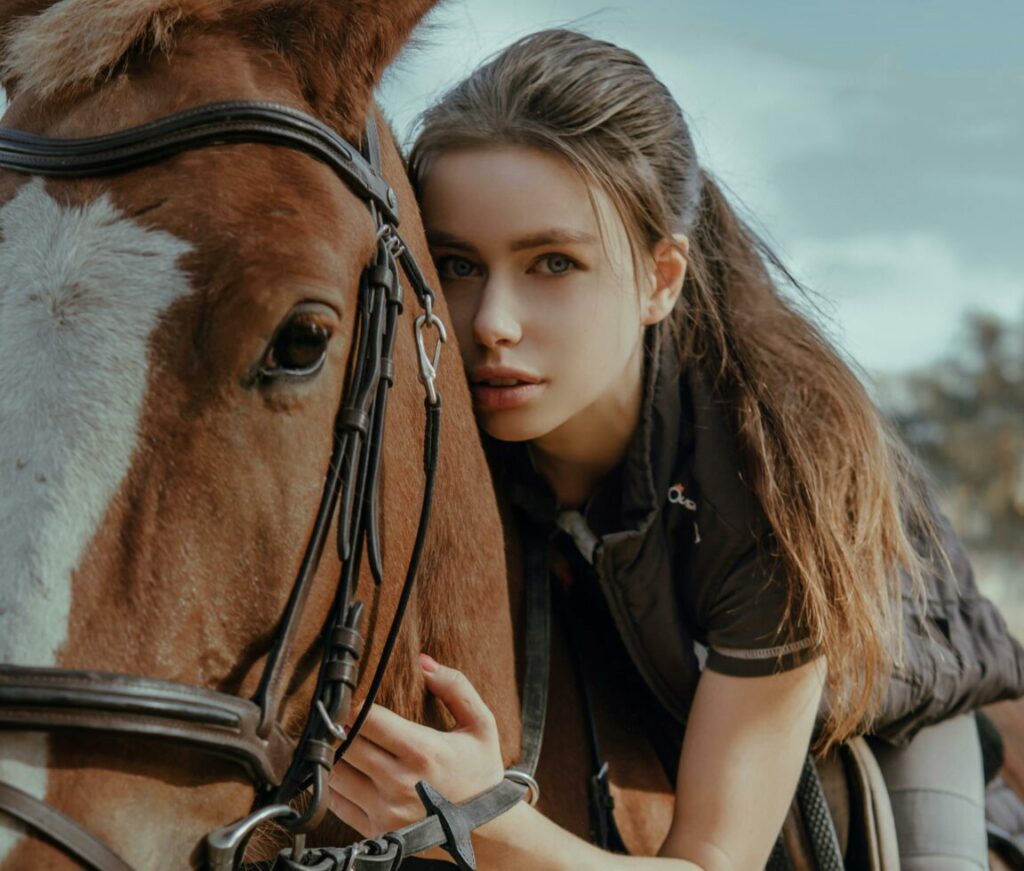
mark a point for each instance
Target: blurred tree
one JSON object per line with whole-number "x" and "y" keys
{"x": 965, "y": 419}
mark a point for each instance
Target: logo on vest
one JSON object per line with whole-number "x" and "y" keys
{"x": 677, "y": 496}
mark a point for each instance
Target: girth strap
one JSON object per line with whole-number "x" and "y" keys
{"x": 61, "y": 830}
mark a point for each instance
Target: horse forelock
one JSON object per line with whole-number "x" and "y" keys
{"x": 74, "y": 43}
{"x": 339, "y": 49}
{"x": 81, "y": 289}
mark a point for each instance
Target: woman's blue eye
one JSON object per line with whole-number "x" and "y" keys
{"x": 452, "y": 266}
{"x": 556, "y": 264}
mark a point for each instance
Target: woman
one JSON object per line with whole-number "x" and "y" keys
{"x": 646, "y": 387}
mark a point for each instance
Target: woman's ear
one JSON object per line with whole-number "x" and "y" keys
{"x": 669, "y": 259}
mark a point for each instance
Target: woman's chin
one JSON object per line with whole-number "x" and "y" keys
{"x": 507, "y": 426}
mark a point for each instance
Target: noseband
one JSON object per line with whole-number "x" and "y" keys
{"x": 250, "y": 731}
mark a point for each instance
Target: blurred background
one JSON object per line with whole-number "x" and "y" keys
{"x": 879, "y": 146}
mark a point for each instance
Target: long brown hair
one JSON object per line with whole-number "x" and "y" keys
{"x": 838, "y": 489}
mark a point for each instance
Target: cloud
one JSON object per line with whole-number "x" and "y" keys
{"x": 900, "y": 300}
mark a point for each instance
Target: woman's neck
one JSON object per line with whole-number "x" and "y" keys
{"x": 576, "y": 456}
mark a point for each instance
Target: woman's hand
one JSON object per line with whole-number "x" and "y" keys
{"x": 373, "y": 788}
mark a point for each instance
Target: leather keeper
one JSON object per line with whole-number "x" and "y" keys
{"x": 342, "y": 671}
{"x": 319, "y": 753}
{"x": 381, "y": 276}
{"x": 396, "y": 296}
{"x": 348, "y": 639}
{"x": 354, "y": 419}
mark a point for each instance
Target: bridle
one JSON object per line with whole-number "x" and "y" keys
{"x": 250, "y": 731}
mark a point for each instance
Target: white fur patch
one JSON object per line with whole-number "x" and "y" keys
{"x": 81, "y": 290}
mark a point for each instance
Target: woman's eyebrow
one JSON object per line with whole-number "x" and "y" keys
{"x": 444, "y": 239}
{"x": 554, "y": 236}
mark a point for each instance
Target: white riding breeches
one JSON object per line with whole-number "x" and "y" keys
{"x": 937, "y": 791}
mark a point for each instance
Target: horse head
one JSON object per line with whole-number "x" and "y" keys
{"x": 174, "y": 342}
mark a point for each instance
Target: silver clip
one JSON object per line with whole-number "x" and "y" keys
{"x": 428, "y": 363}
{"x": 337, "y": 731}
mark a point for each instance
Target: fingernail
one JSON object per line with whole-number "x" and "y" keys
{"x": 428, "y": 663}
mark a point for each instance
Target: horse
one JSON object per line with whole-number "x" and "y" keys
{"x": 157, "y": 484}
{"x": 156, "y": 487}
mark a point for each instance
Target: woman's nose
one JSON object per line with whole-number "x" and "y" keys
{"x": 496, "y": 322}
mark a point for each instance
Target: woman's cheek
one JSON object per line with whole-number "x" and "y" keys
{"x": 460, "y": 315}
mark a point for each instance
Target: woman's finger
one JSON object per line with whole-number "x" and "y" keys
{"x": 351, "y": 783}
{"x": 350, "y": 814}
{"x": 395, "y": 734}
{"x": 373, "y": 760}
{"x": 460, "y": 696}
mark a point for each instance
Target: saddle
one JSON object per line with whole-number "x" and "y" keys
{"x": 858, "y": 802}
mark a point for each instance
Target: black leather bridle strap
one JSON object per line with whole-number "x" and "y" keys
{"x": 430, "y": 471}
{"x": 537, "y": 645}
{"x": 64, "y": 832}
{"x": 225, "y": 122}
{"x": 241, "y": 122}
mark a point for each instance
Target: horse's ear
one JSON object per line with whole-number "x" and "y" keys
{"x": 339, "y": 48}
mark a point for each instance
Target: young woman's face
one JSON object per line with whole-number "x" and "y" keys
{"x": 541, "y": 289}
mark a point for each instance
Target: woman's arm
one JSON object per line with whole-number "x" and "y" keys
{"x": 744, "y": 747}
{"x": 745, "y": 744}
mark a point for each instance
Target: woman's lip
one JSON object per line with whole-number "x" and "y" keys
{"x": 491, "y": 398}
{"x": 488, "y": 373}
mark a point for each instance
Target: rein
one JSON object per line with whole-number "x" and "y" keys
{"x": 249, "y": 731}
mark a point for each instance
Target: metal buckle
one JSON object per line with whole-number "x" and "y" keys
{"x": 527, "y": 780}
{"x": 428, "y": 362}
{"x": 222, "y": 844}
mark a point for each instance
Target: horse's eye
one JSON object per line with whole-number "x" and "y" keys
{"x": 298, "y": 348}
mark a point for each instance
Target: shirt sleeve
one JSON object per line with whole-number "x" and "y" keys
{"x": 744, "y": 619}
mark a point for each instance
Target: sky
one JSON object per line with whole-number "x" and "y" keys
{"x": 878, "y": 145}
